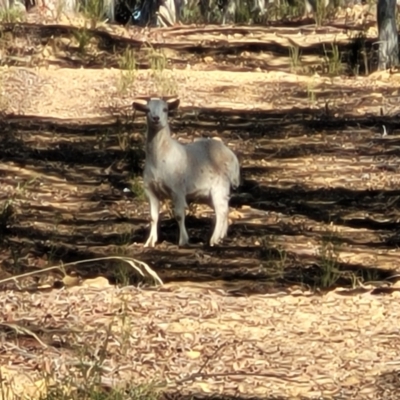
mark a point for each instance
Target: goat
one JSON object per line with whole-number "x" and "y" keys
{"x": 202, "y": 171}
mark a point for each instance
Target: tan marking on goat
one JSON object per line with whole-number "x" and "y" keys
{"x": 219, "y": 158}
{"x": 164, "y": 146}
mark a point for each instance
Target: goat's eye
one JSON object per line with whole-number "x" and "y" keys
{"x": 165, "y": 110}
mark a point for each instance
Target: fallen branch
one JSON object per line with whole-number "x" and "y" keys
{"x": 134, "y": 263}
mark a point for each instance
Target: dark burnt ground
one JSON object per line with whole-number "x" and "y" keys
{"x": 318, "y": 204}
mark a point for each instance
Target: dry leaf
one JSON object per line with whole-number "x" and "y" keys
{"x": 193, "y": 354}
{"x": 99, "y": 282}
{"x": 205, "y": 387}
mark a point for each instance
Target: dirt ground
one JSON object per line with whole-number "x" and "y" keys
{"x": 298, "y": 302}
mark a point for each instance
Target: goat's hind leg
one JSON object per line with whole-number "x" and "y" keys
{"x": 154, "y": 214}
{"x": 220, "y": 203}
{"x": 179, "y": 210}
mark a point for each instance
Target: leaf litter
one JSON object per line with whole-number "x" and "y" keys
{"x": 262, "y": 344}
{"x": 221, "y": 336}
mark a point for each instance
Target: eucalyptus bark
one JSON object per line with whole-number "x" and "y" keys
{"x": 388, "y": 37}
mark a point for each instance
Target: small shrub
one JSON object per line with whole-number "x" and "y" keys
{"x": 274, "y": 258}
{"x": 122, "y": 274}
{"x": 163, "y": 80}
{"x": 93, "y": 10}
{"x": 128, "y": 65}
{"x": 137, "y": 188}
{"x": 82, "y": 37}
{"x": 295, "y": 58}
{"x": 328, "y": 255}
{"x": 12, "y": 15}
{"x": 333, "y": 60}
{"x": 320, "y": 13}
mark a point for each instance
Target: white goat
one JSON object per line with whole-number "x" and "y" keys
{"x": 202, "y": 171}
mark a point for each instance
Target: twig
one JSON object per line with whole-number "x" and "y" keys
{"x": 129, "y": 260}
{"x": 23, "y": 330}
{"x": 210, "y": 357}
{"x": 192, "y": 377}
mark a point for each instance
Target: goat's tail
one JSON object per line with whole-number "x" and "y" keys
{"x": 234, "y": 173}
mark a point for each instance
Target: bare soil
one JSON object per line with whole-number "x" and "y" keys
{"x": 252, "y": 317}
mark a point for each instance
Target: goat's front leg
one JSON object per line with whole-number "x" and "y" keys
{"x": 179, "y": 211}
{"x": 154, "y": 214}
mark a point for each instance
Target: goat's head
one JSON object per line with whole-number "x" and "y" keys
{"x": 156, "y": 110}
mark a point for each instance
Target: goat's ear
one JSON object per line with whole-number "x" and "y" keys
{"x": 140, "y": 105}
{"x": 173, "y": 103}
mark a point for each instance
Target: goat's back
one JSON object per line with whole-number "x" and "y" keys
{"x": 212, "y": 159}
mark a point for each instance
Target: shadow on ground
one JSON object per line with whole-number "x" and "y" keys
{"x": 68, "y": 195}
{"x": 388, "y": 385}
{"x": 105, "y": 46}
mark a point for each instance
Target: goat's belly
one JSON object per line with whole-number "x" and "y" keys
{"x": 161, "y": 190}
{"x": 200, "y": 197}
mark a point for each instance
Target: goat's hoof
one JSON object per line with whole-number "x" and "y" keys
{"x": 215, "y": 242}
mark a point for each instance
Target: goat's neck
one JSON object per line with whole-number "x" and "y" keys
{"x": 158, "y": 142}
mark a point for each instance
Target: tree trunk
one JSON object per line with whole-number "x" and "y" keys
{"x": 388, "y": 38}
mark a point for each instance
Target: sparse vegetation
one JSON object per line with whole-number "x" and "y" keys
{"x": 84, "y": 382}
{"x": 12, "y": 15}
{"x": 163, "y": 79}
{"x": 321, "y": 12}
{"x": 328, "y": 261}
{"x": 13, "y": 200}
{"x": 123, "y": 273}
{"x": 83, "y": 38}
{"x": 93, "y": 10}
{"x": 333, "y": 60}
{"x": 311, "y": 94}
{"x": 123, "y": 141}
{"x": 243, "y": 14}
{"x": 191, "y": 14}
{"x": 128, "y": 65}
{"x": 101, "y": 325}
{"x": 295, "y": 58}
{"x": 275, "y": 258}
{"x": 137, "y": 188}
